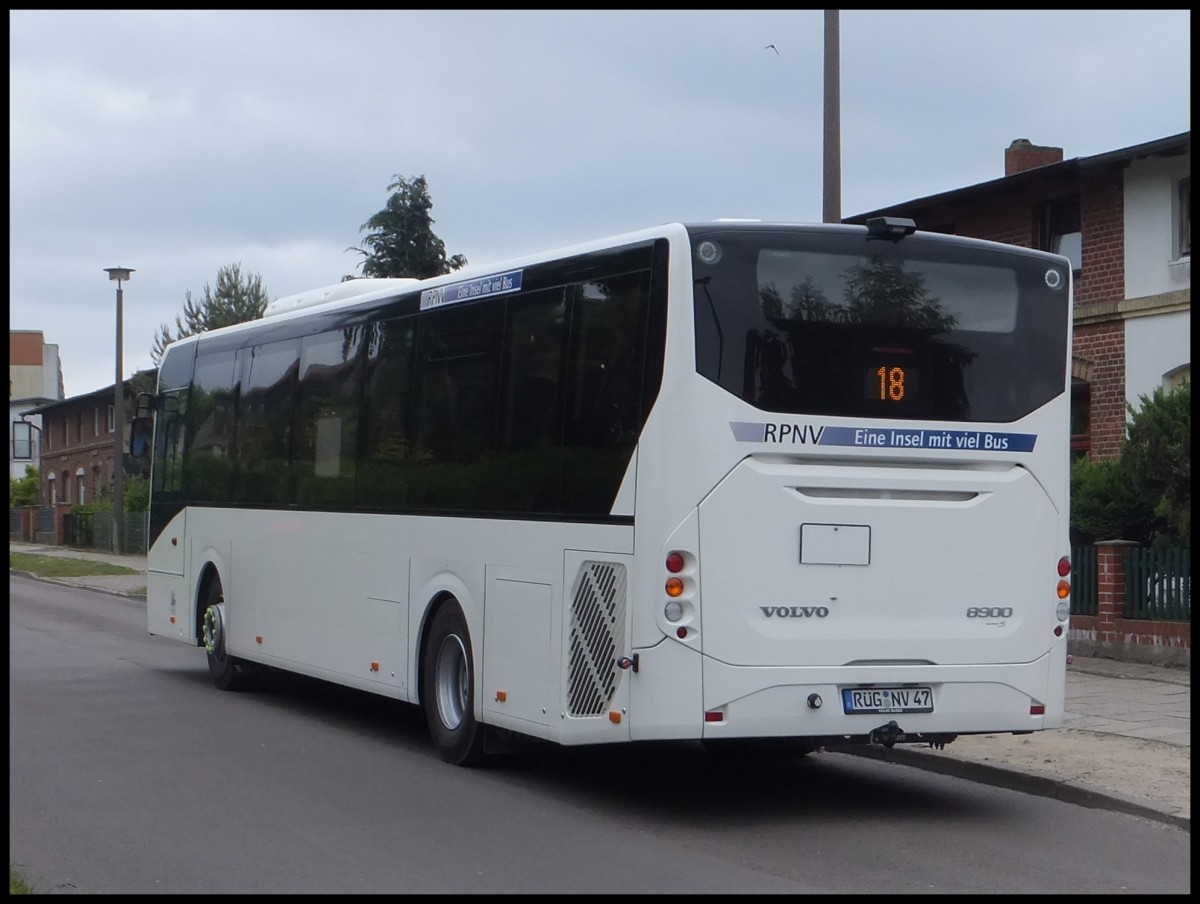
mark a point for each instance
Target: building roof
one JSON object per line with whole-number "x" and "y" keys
{"x": 142, "y": 381}
{"x": 1162, "y": 147}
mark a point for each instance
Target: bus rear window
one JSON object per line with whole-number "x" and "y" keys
{"x": 843, "y": 325}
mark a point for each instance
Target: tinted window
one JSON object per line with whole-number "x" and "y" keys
{"x": 803, "y": 323}
{"x": 210, "y": 422}
{"x": 604, "y": 385}
{"x": 325, "y": 446}
{"x": 385, "y": 469}
{"x": 265, "y": 423}
{"x": 458, "y": 374}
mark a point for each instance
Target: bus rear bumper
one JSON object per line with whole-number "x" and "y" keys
{"x": 925, "y": 703}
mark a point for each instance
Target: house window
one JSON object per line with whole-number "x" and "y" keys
{"x": 95, "y": 422}
{"x": 1183, "y": 217}
{"x": 1061, "y": 232}
{"x": 53, "y": 490}
{"x": 22, "y": 447}
{"x": 112, "y": 419}
{"x": 82, "y": 494}
{"x": 1081, "y": 418}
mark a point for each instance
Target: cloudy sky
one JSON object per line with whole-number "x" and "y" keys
{"x": 178, "y": 142}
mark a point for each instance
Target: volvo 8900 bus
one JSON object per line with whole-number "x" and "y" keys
{"x": 746, "y": 484}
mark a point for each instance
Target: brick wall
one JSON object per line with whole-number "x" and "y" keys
{"x": 1102, "y": 215}
{"x": 1103, "y": 345}
{"x": 1110, "y": 633}
{"x": 72, "y": 449}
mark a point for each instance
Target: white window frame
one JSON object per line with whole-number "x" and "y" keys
{"x": 1182, "y": 210}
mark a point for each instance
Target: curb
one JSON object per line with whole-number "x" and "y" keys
{"x": 80, "y": 584}
{"x": 1015, "y": 781}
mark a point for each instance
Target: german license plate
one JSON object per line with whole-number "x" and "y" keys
{"x": 886, "y": 700}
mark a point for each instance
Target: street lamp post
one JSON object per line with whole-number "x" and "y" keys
{"x": 119, "y": 274}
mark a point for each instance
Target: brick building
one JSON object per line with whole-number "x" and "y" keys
{"x": 1124, "y": 220}
{"x": 77, "y": 442}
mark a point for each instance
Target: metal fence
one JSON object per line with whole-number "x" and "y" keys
{"x": 1158, "y": 584}
{"x": 94, "y": 530}
{"x": 1085, "y": 598}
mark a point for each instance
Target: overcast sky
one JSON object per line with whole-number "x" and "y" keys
{"x": 178, "y": 142}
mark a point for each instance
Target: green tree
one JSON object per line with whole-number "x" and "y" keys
{"x": 1158, "y": 455}
{"x": 1146, "y": 493}
{"x": 25, "y": 490}
{"x": 236, "y": 299}
{"x": 1105, "y": 505}
{"x": 401, "y": 241}
{"x": 137, "y": 494}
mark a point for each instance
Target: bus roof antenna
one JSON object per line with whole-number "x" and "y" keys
{"x": 894, "y": 228}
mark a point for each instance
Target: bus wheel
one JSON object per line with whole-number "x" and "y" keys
{"x": 448, "y": 681}
{"x": 228, "y": 673}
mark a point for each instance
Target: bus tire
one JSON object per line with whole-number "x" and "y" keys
{"x": 228, "y": 673}
{"x": 448, "y": 683}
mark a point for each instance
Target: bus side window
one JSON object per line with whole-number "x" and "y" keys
{"x": 210, "y": 452}
{"x": 604, "y": 388}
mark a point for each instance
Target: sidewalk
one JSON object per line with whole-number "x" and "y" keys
{"x": 1125, "y": 745}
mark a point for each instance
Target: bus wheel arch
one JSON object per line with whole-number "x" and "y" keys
{"x": 228, "y": 673}
{"x": 446, "y": 683}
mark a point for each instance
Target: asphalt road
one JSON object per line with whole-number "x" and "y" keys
{"x": 130, "y": 773}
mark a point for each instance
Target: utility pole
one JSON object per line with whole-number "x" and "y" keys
{"x": 832, "y": 206}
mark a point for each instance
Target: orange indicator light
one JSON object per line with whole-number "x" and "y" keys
{"x": 501, "y": 696}
{"x": 674, "y": 586}
{"x": 614, "y": 717}
{"x": 1064, "y": 590}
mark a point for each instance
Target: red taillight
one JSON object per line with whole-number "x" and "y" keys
{"x": 1037, "y": 709}
{"x": 1064, "y": 567}
{"x": 674, "y": 563}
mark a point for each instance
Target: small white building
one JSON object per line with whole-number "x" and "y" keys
{"x": 34, "y": 378}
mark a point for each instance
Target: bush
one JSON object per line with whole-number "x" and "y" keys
{"x": 25, "y": 490}
{"x": 1158, "y": 454}
{"x": 1105, "y": 505}
{"x": 1146, "y": 494}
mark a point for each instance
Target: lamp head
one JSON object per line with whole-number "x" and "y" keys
{"x": 118, "y": 273}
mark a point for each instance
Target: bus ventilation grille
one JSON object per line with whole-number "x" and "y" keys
{"x": 597, "y": 633}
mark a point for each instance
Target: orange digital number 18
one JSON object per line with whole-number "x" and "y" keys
{"x": 891, "y": 383}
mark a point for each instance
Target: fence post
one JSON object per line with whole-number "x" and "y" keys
{"x": 1110, "y": 587}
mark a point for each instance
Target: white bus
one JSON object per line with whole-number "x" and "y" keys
{"x": 762, "y": 486}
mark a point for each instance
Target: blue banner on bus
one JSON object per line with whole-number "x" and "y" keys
{"x": 472, "y": 289}
{"x": 881, "y": 437}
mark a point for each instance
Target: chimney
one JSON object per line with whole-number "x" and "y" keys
{"x": 1021, "y": 155}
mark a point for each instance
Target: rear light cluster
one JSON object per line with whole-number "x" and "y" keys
{"x": 679, "y": 586}
{"x": 1064, "y": 593}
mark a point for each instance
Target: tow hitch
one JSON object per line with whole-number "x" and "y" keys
{"x": 886, "y": 735}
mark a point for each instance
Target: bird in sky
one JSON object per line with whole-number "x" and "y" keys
{"x": 772, "y": 47}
